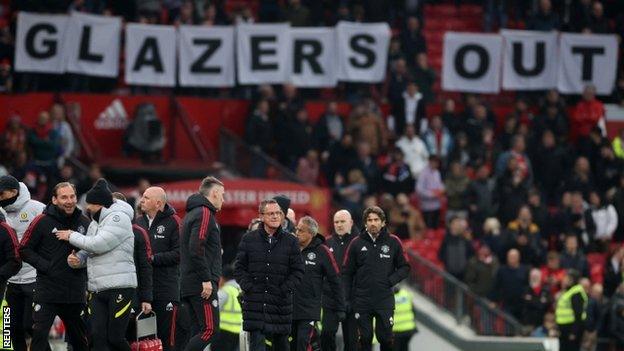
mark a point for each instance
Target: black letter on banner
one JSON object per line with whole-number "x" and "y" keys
{"x": 85, "y": 55}
{"x": 257, "y": 51}
{"x": 311, "y": 57}
{"x": 540, "y": 60}
{"x": 149, "y": 45}
{"x": 211, "y": 46}
{"x": 49, "y": 44}
{"x": 369, "y": 54}
{"x": 460, "y": 58}
{"x": 588, "y": 59}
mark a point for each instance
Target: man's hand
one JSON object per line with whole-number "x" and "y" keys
{"x": 63, "y": 235}
{"x": 146, "y": 307}
{"x": 72, "y": 260}
{"x": 207, "y": 290}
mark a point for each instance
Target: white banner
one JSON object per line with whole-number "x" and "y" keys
{"x": 263, "y": 53}
{"x": 587, "y": 59}
{"x": 472, "y": 62}
{"x": 150, "y": 55}
{"x": 314, "y": 57}
{"x": 93, "y": 45}
{"x": 530, "y": 60}
{"x": 206, "y": 56}
{"x": 362, "y": 51}
{"x": 39, "y": 43}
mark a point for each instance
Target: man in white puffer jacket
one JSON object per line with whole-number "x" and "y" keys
{"x": 21, "y": 211}
{"x": 108, "y": 249}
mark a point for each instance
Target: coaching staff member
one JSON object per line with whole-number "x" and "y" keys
{"x": 373, "y": 264}
{"x": 268, "y": 268}
{"x": 201, "y": 261}
{"x": 10, "y": 262}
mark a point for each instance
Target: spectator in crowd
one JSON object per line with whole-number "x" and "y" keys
{"x": 617, "y": 199}
{"x": 606, "y": 220}
{"x": 63, "y": 130}
{"x": 396, "y": 177}
{"x": 299, "y": 139}
{"x": 456, "y": 185}
{"x": 521, "y": 114}
{"x": 491, "y": 236}
{"x": 587, "y": 115}
{"x": 413, "y": 41}
{"x": 481, "y": 271}
{"x": 480, "y": 196}
{"x": 552, "y": 273}
{"x": 338, "y": 153}
{"x": 14, "y": 139}
{"x": 545, "y": 18}
{"x": 450, "y": 118}
{"x": 397, "y": 82}
{"x": 297, "y": 14}
{"x": 45, "y": 144}
{"x": 517, "y": 151}
{"x": 456, "y": 249}
{"x": 511, "y": 191}
{"x": 511, "y": 282}
{"x": 613, "y": 273}
{"x": 430, "y": 191}
{"x": 476, "y": 122}
{"x": 329, "y": 129}
{"x": 616, "y": 316}
{"x": 581, "y": 179}
{"x": 570, "y": 311}
{"x": 351, "y": 191}
{"x": 495, "y": 13}
{"x": 536, "y": 299}
{"x": 548, "y": 329}
{"x": 607, "y": 168}
{"x": 406, "y": 220}
{"x": 596, "y": 314}
{"x": 438, "y": 139}
{"x": 598, "y": 23}
{"x": 414, "y": 150}
{"x": 308, "y": 167}
{"x": 259, "y": 135}
{"x": 526, "y": 234}
{"x": 551, "y": 163}
{"x": 366, "y": 163}
{"x": 553, "y": 119}
{"x": 424, "y": 77}
{"x": 461, "y": 151}
{"x": 409, "y": 109}
{"x": 539, "y": 212}
{"x": 366, "y": 125}
{"x": 395, "y": 52}
{"x": 488, "y": 150}
{"x": 573, "y": 258}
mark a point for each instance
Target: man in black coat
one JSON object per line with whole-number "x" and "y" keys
{"x": 374, "y": 262}
{"x": 337, "y": 243}
{"x": 268, "y": 268}
{"x": 10, "y": 262}
{"x": 319, "y": 264}
{"x": 162, "y": 224}
{"x": 200, "y": 261}
{"x": 60, "y": 290}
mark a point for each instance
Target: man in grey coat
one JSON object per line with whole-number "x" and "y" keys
{"x": 108, "y": 251}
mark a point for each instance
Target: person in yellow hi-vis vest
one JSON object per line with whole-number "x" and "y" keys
{"x": 571, "y": 312}
{"x": 231, "y": 322}
{"x": 404, "y": 326}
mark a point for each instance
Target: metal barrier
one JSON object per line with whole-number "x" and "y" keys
{"x": 455, "y": 297}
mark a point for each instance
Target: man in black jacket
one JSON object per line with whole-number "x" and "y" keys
{"x": 268, "y": 268}
{"x": 10, "y": 262}
{"x": 200, "y": 261}
{"x": 337, "y": 243}
{"x": 60, "y": 290}
{"x": 319, "y": 264}
{"x": 373, "y": 264}
{"x": 163, "y": 225}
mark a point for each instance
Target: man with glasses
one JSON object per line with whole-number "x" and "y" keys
{"x": 268, "y": 268}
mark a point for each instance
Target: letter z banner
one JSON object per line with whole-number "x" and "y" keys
{"x": 206, "y": 56}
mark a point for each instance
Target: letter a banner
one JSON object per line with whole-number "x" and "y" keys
{"x": 150, "y": 55}
{"x": 530, "y": 60}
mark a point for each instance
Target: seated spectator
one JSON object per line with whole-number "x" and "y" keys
{"x": 511, "y": 192}
{"x": 438, "y": 139}
{"x": 329, "y": 129}
{"x": 536, "y": 299}
{"x": 613, "y": 272}
{"x": 456, "y": 249}
{"x": 480, "y": 197}
{"x": 524, "y": 235}
{"x": 548, "y": 329}
{"x": 552, "y": 273}
{"x": 430, "y": 191}
{"x": 551, "y": 163}
{"x": 456, "y": 185}
{"x": 409, "y": 109}
{"x": 605, "y": 219}
{"x": 414, "y": 150}
{"x": 481, "y": 271}
{"x": 309, "y": 167}
{"x": 511, "y": 282}
{"x": 597, "y": 309}
{"x": 63, "y": 130}
{"x": 586, "y": 116}
{"x": 616, "y": 317}
{"x": 424, "y": 77}
{"x": 396, "y": 178}
{"x": 545, "y": 18}
{"x": 573, "y": 258}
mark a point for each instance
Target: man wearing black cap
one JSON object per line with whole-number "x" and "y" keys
{"x": 21, "y": 211}
{"x": 109, "y": 245}
{"x": 10, "y": 262}
{"x": 288, "y": 224}
{"x": 60, "y": 290}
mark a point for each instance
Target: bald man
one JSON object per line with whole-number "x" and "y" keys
{"x": 338, "y": 242}
{"x": 162, "y": 224}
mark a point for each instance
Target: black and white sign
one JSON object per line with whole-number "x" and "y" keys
{"x": 472, "y": 62}
{"x": 93, "y": 45}
{"x": 150, "y": 55}
{"x": 529, "y": 60}
{"x": 206, "y": 56}
{"x": 39, "y": 43}
{"x": 362, "y": 51}
{"x": 263, "y": 53}
{"x": 587, "y": 59}
{"x": 314, "y": 57}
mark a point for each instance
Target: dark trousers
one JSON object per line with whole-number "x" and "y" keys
{"x": 432, "y": 219}
{"x": 110, "y": 314}
{"x": 402, "y": 340}
{"x": 183, "y": 326}
{"x": 383, "y": 329}
{"x": 564, "y": 338}
{"x": 204, "y": 320}
{"x": 279, "y": 342}
{"x": 302, "y": 332}
{"x": 19, "y": 297}
{"x": 330, "y": 328}
{"x": 43, "y": 318}
{"x": 226, "y": 341}
{"x": 166, "y": 316}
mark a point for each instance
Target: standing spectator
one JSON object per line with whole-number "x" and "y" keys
{"x": 539, "y": 212}
{"x": 438, "y": 139}
{"x": 495, "y": 13}
{"x": 259, "y": 136}
{"x": 344, "y": 150}
{"x": 545, "y": 18}
{"x": 396, "y": 177}
{"x": 607, "y": 168}
{"x": 14, "y": 139}
{"x": 297, "y": 14}
{"x": 10, "y": 262}
{"x": 309, "y": 167}
{"x": 397, "y": 82}
{"x": 351, "y": 192}
{"x": 587, "y": 115}
{"x": 553, "y": 118}
{"x": 480, "y": 197}
{"x": 518, "y": 152}
{"x": 613, "y": 271}
{"x": 523, "y": 228}
{"x": 366, "y": 125}
{"x": 430, "y": 191}
{"x": 598, "y": 23}
{"x": 21, "y": 211}
{"x": 414, "y": 150}
{"x": 407, "y": 220}
{"x": 461, "y": 151}
{"x": 481, "y": 271}
{"x": 424, "y": 77}
{"x": 456, "y": 249}
{"x": 299, "y": 138}
{"x": 512, "y": 190}
{"x": 605, "y": 219}
{"x": 329, "y": 130}
{"x": 616, "y": 316}
{"x": 451, "y": 119}
{"x": 456, "y": 185}
{"x": 596, "y": 317}
{"x": 200, "y": 261}
{"x": 573, "y": 258}
{"x": 552, "y": 273}
{"x": 268, "y": 268}
{"x": 511, "y": 282}
{"x": 491, "y": 236}
{"x": 45, "y": 145}
{"x": 60, "y": 290}
{"x": 367, "y": 164}
{"x": 581, "y": 179}
{"x": 570, "y": 312}
{"x": 488, "y": 151}
{"x": 63, "y": 130}
{"x": 408, "y": 109}
{"x": 551, "y": 163}
{"x": 536, "y": 299}
{"x": 412, "y": 39}
{"x": 476, "y": 122}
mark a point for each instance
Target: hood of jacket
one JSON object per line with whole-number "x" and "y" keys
{"x": 55, "y": 212}
{"x": 317, "y": 240}
{"x": 198, "y": 200}
{"x": 117, "y": 206}
{"x": 168, "y": 211}
{"x": 383, "y": 235}
{"x": 22, "y": 198}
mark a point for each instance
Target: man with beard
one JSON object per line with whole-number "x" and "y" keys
{"x": 319, "y": 264}
{"x": 10, "y": 262}
{"x": 374, "y": 262}
{"x": 21, "y": 211}
{"x": 162, "y": 224}
{"x": 60, "y": 290}
{"x": 337, "y": 243}
{"x": 268, "y": 268}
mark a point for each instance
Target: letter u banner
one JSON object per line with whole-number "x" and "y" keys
{"x": 530, "y": 60}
